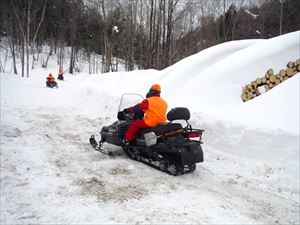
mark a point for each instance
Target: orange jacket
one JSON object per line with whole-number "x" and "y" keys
{"x": 156, "y": 111}
{"x": 50, "y": 77}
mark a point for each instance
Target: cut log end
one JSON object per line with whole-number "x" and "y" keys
{"x": 250, "y": 95}
{"x": 289, "y": 72}
{"x": 270, "y": 71}
{"x": 258, "y": 81}
{"x": 282, "y": 72}
{"x": 273, "y": 78}
{"x": 290, "y": 64}
{"x": 267, "y": 88}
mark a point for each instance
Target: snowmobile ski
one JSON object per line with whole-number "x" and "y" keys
{"x": 97, "y": 146}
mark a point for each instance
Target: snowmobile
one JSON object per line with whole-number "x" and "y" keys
{"x": 60, "y": 77}
{"x": 52, "y": 84}
{"x": 171, "y": 147}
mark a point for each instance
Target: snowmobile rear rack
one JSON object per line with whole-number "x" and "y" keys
{"x": 172, "y": 133}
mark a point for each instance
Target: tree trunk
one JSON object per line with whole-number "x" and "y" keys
{"x": 71, "y": 67}
{"x": 280, "y": 17}
{"x": 149, "y": 63}
{"x": 32, "y": 44}
{"x": 28, "y": 36}
{"x": 235, "y": 20}
{"x": 13, "y": 54}
{"x": 157, "y": 38}
{"x": 164, "y": 30}
{"x": 23, "y": 56}
{"x": 224, "y": 21}
{"x": 23, "y": 37}
{"x": 171, "y": 8}
{"x": 61, "y": 53}
{"x": 108, "y": 54}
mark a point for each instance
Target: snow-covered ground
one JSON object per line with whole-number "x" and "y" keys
{"x": 49, "y": 173}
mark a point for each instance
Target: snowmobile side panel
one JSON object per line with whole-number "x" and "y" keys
{"x": 110, "y": 135}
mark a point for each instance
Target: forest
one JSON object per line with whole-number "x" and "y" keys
{"x": 142, "y": 33}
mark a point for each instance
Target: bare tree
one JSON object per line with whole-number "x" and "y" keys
{"x": 24, "y": 25}
{"x": 32, "y": 43}
{"x": 21, "y": 27}
{"x": 105, "y": 10}
{"x": 13, "y": 53}
{"x": 171, "y": 7}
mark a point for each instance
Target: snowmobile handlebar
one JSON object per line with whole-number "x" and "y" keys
{"x": 125, "y": 115}
{"x": 128, "y": 116}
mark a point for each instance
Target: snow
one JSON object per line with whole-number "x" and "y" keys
{"x": 116, "y": 29}
{"x": 251, "y": 14}
{"x": 49, "y": 173}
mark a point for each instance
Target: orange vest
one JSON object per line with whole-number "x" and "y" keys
{"x": 156, "y": 112}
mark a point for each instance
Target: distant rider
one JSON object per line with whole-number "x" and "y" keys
{"x": 61, "y": 75}
{"x": 155, "y": 109}
{"x": 50, "y": 81}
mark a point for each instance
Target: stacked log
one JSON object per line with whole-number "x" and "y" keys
{"x": 269, "y": 81}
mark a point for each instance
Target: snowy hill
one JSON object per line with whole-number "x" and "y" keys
{"x": 211, "y": 82}
{"x": 49, "y": 174}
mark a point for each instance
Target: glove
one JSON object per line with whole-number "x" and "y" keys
{"x": 126, "y": 110}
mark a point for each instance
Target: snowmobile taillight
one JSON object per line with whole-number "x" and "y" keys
{"x": 194, "y": 135}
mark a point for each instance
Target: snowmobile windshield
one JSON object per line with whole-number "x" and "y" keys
{"x": 129, "y": 100}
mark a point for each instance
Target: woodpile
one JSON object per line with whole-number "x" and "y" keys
{"x": 269, "y": 81}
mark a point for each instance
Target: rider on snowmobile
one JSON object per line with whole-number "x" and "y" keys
{"x": 50, "y": 78}
{"x": 155, "y": 109}
{"x": 50, "y": 81}
{"x": 61, "y": 75}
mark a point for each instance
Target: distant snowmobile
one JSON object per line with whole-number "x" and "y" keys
{"x": 169, "y": 147}
{"x": 60, "y": 77}
{"x": 52, "y": 84}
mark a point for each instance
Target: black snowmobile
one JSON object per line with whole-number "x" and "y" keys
{"x": 51, "y": 84}
{"x": 60, "y": 77}
{"x": 170, "y": 147}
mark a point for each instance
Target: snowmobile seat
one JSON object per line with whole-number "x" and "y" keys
{"x": 178, "y": 113}
{"x": 160, "y": 129}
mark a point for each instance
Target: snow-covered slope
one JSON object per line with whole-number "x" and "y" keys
{"x": 217, "y": 88}
{"x": 49, "y": 174}
{"x": 211, "y": 82}
{"x": 190, "y": 67}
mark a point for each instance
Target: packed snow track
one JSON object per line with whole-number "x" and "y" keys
{"x": 50, "y": 174}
